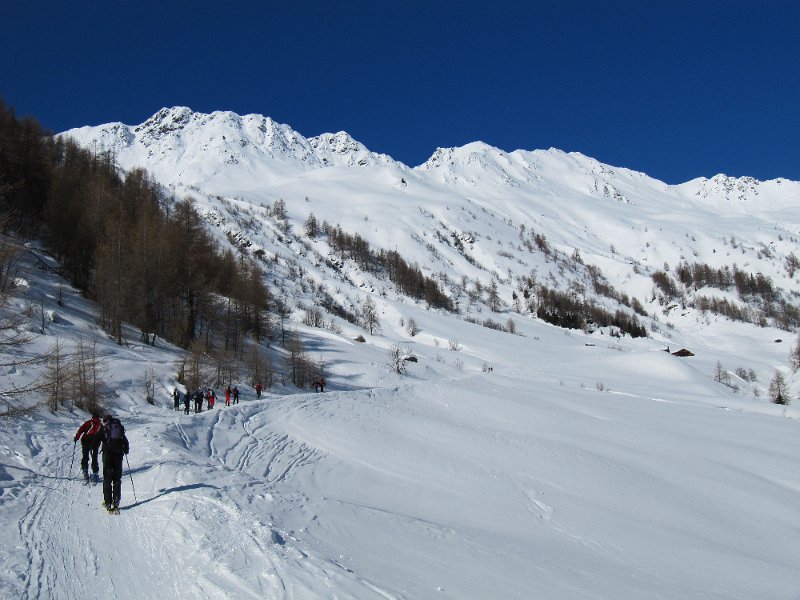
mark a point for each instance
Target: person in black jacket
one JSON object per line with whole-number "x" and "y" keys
{"x": 115, "y": 446}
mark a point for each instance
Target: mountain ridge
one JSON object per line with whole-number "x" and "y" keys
{"x": 341, "y": 149}
{"x": 617, "y": 219}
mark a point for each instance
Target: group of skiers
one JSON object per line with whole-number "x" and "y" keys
{"x": 110, "y": 435}
{"x": 209, "y": 395}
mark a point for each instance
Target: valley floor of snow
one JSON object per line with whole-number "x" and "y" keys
{"x": 546, "y": 464}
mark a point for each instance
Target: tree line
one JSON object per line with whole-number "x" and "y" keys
{"x": 764, "y": 301}
{"x": 572, "y": 312}
{"x": 143, "y": 256}
{"x": 408, "y": 278}
{"x": 747, "y": 285}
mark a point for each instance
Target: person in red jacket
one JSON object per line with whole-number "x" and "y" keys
{"x": 89, "y": 435}
{"x": 211, "y": 398}
{"x": 228, "y": 396}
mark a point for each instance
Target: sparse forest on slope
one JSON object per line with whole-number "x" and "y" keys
{"x": 176, "y": 225}
{"x": 621, "y": 225}
{"x": 147, "y": 259}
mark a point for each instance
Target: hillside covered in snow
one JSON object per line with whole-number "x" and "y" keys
{"x": 473, "y": 212}
{"x": 540, "y": 440}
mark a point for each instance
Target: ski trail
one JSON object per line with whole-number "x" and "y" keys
{"x": 182, "y": 433}
{"x": 257, "y": 451}
{"x": 261, "y": 557}
{"x": 227, "y": 525}
{"x": 73, "y": 548}
{"x": 52, "y": 565}
{"x": 264, "y": 461}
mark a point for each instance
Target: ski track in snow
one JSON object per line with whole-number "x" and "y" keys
{"x": 73, "y": 548}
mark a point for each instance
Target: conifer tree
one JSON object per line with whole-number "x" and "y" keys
{"x": 778, "y": 391}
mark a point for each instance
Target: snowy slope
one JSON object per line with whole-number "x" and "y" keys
{"x": 545, "y": 464}
{"x": 610, "y": 470}
{"x": 620, "y": 220}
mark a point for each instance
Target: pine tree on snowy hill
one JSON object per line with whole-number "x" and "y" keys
{"x": 778, "y": 390}
{"x": 311, "y": 226}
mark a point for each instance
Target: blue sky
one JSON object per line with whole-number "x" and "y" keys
{"x": 675, "y": 89}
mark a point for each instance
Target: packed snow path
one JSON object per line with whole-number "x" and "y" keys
{"x": 181, "y": 532}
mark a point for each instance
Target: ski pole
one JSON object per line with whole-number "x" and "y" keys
{"x": 74, "y": 445}
{"x": 133, "y": 487}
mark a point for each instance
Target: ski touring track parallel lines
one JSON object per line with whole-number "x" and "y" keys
{"x": 182, "y": 433}
{"x": 53, "y": 567}
{"x": 251, "y": 445}
{"x": 72, "y": 546}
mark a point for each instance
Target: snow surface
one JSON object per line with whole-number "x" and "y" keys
{"x": 547, "y": 464}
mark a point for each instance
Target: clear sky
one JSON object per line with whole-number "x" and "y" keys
{"x": 676, "y": 89}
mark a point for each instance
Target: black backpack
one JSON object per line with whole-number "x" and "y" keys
{"x": 115, "y": 436}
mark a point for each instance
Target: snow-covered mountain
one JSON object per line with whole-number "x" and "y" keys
{"x": 234, "y": 143}
{"x": 621, "y": 221}
{"x": 535, "y": 462}
{"x": 179, "y": 145}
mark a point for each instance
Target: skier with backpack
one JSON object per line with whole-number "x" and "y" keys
{"x": 235, "y": 395}
{"x": 89, "y": 435}
{"x": 115, "y": 446}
